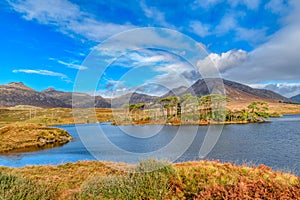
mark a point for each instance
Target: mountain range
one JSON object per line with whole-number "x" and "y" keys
{"x": 16, "y": 93}
{"x": 296, "y": 98}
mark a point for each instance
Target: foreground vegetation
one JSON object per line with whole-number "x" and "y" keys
{"x": 191, "y": 180}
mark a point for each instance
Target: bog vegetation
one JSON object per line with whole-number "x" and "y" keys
{"x": 193, "y": 180}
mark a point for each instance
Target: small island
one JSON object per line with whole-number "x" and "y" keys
{"x": 30, "y": 137}
{"x": 192, "y": 110}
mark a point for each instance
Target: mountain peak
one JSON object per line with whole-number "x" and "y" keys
{"x": 49, "y": 90}
{"x": 19, "y": 85}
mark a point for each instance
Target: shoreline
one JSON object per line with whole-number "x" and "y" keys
{"x": 179, "y": 123}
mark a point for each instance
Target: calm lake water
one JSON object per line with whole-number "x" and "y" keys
{"x": 276, "y": 144}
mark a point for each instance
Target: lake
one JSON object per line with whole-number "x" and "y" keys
{"x": 276, "y": 144}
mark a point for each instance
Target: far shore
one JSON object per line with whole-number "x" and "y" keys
{"x": 180, "y": 123}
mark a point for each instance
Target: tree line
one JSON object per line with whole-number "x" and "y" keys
{"x": 192, "y": 109}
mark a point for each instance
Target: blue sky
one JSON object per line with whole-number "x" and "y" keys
{"x": 47, "y": 43}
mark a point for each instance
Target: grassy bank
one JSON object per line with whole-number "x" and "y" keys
{"x": 191, "y": 180}
{"x": 53, "y": 116}
{"x": 30, "y": 137}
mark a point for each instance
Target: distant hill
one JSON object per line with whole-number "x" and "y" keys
{"x": 296, "y": 98}
{"x": 16, "y": 93}
{"x": 82, "y": 100}
{"x": 235, "y": 91}
{"x": 132, "y": 98}
{"x": 176, "y": 91}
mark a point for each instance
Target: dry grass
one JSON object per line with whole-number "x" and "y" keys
{"x": 30, "y": 137}
{"x": 190, "y": 180}
{"x": 54, "y": 116}
{"x": 214, "y": 180}
{"x": 280, "y": 108}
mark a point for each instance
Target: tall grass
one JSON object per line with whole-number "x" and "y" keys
{"x": 15, "y": 188}
{"x": 149, "y": 180}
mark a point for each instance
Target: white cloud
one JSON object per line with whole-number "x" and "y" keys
{"x": 157, "y": 16}
{"x": 200, "y": 29}
{"x": 67, "y": 18}
{"x": 276, "y": 60}
{"x": 227, "y": 23}
{"x": 42, "y": 72}
{"x": 173, "y": 75}
{"x": 285, "y": 89}
{"x": 224, "y": 61}
{"x": 143, "y": 38}
{"x": 147, "y": 58}
{"x": 72, "y": 65}
{"x": 251, "y": 35}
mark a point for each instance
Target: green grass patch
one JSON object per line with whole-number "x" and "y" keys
{"x": 15, "y": 188}
{"x": 149, "y": 180}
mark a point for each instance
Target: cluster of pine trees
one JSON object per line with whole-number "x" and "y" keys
{"x": 189, "y": 108}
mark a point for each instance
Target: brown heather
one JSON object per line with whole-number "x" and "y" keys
{"x": 190, "y": 180}
{"x": 30, "y": 137}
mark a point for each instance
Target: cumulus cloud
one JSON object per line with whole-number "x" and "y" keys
{"x": 69, "y": 21}
{"x": 42, "y": 72}
{"x": 276, "y": 60}
{"x": 224, "y": 61}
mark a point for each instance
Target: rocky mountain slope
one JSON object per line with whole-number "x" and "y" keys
{"x": 80, "y": 100}
{"x": 296, "y": 98}
{"x": 233, "y": 90}
{"x": 131, "y": 98}
{"x": 16, "y": 93}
